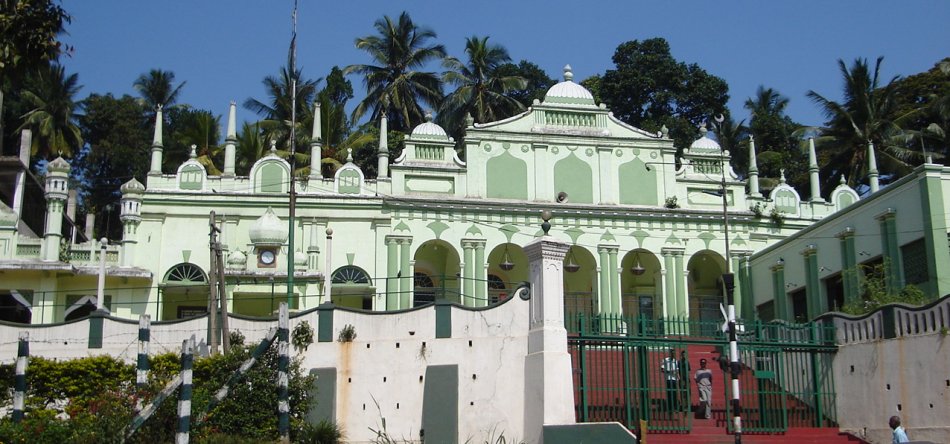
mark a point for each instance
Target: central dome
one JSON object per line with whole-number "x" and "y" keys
{"x": 429, "y": 130}
{"x": 268, "y": 230}
{"x": 705, "y": 144}
{"x": 569, "y": 92}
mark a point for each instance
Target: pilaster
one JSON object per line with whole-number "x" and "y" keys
{"x": 779, "y": 297}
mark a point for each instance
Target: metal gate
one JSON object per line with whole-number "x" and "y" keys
{"x": 640, "y": 371}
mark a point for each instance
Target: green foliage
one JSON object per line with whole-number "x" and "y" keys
{"x": 537, "y": 81}
{"x": 347, "y": 334}
{"x": 324, "y": 432}
{"x": 777, "y": 217}
{"x": 671, "y": 203}
{"x": 649, "y": 89}
{"x": 875, "y": 293}
{"x": 757, "y": 210}
{"x": 50, "y": 95}
{"x": 302, "y": 336}
{"x": 776, "y": 138}
{"x": 29, "y": 35}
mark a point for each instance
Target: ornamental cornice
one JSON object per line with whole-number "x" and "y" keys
{"x": 546, "y": 248}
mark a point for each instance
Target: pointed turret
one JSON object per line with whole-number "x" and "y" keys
{"x": 157, "y": 148}
{"x": 872, "y": 169}
{"x": 316, "y": 145}
{"x": 383, "y": 154}
{"x": 753, "y": 170}
{"x": 813, "y": 171}
{"x": 230, "y": 141}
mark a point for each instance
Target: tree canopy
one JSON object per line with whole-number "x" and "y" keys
{"x": 649, "y": 89}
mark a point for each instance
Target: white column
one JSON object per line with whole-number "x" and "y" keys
{"x": 383, "y": 155}
{"x": 549, "y": 397}
{"x": 813, "y": 178}
{"x": 230, "y": 141}
{"x": 156, "y": 165}
{"x": 872, "y": 169}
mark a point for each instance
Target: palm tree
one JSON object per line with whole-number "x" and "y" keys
{"x": 394, "y": 85}
{"x": 276, "y": 111}
{"x": 480, "y": 91}
{"x": 251, "y": 146}
{"x": 867, "y": 114}
{"x": 157, "y": 88}
{"x": 52, "y": 119}
{"x": 776, "y": 139}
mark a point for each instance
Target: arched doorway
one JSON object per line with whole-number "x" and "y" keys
{"x": 705, "y": 268}
{"x": 580, "y": 273}
{"x": 78, "y": 307}
{"x": 438, "y": 262}
{"x": 184, "y": 292}
{"x": 640, "y": 284}
{"x": 15, "y": 306}
{"x": 507, "y": 268}
{"x": 352, "y": 287}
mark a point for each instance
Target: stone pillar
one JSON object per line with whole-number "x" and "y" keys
{"x": 56, "y": 194}
{"x": 481, "y": 274}
{"x": 230, "y": 142}
{"x": 468, "y": 273}
{"x": 155, "y": 168}
{"x": 549, "y": 397}
{"x": 26, "y": 144}
{"x": 604, "y": 301}
{"x": 313, "y": 247}
{"x": 735, "y": 257}
{"x": 893, "y": 269}
{"x": 392, "y": 270}
{"x": 682, "y": 296}
{"x": 872, "y": 169}
{"x": 780, "y": 298}
{"x": 812, "y": 284}
{"x": 382, "y": 157}
{"x": 813, "y": 178}
{"x": 748, "y": 299}
{"x": 669, "y": 293}
{"x": 753, "y": 171}
{"x": 849, "y": 267}
{"x": 406, "y": 281}
{"x": 131, "y": 217}
{"x": 616, "y": 298}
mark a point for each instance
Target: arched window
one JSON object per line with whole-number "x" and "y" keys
{"x": 186, "y": 273}
{"x": 497, "y": 290}
{"x": 495, "y": 282}
{"x": 350, "y": 275}
{"x": 424, "y": 289}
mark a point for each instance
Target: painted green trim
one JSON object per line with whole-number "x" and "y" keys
{"x": 812, "y": 285}
{"x": 95, "y": 329}
{"x": 779, "y": 297}
{"x": 669, "y": 298}
{"x": 682, "y": 304}
{"x": 481, "y": 276}
{"x": 468, "y": 285}
{"x": 443, "y": 318}
{"x": 406, "y": 281}
{"x": 849, "y": 269}
{"x": 616, "y": 304}
{"x": 392, "y": 268}
{"x": 323, "y": 393}
{"x": 325, "y": 322}
{"x": 612, "y": 432}
{"x": 606, "y": 302}
{"x": 440, "y": 404}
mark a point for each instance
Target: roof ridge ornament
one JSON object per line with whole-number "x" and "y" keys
{"x": 193, "y": 154}
{"x": 782, "y": 176}
{"x": 568, "y": 73}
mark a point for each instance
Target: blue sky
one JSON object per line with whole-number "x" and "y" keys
{"x": 224, "y": 48}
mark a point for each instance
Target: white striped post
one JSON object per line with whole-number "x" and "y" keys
{"x": 147, "y": 412}
{"x": 184, "y": 395}
{"x": 728, "y": 281}
{"x": 19, "y": 385}
{"x": 141, "y": 373}
{"x": 283, "y": 362}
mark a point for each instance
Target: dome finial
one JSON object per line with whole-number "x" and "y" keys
{"x": 349, "y": 155}
{"x": 568, "y": 74}
{"x": 273, "y": 147}
{"x": 428, "y": 116}
{"x": 193, "y": 153}
{"x": 782, "y": 177}
{"x": 702, "y": 128}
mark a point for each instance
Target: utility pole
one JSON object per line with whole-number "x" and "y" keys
{"x": 293, "y": 154}
{"x": 222, "y": 298}
{"x": 213, "y": 288}
{"x": 729, "y": 287}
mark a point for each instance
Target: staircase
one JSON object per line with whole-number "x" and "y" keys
{"x": 713, "y": 431}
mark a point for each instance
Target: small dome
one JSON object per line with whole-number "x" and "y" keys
{"x": 429, "y": 130}
{"x": 704, "y": 144}
{"x": 268, "y": 230}
{"x": 132, "y": 186}
{"x": 59, "y": 165}
{"x": 237, "y": 259}
{"x": 568, "y": 91}
{"x": 300, "y": 259}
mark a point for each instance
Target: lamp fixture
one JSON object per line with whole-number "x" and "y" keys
{"x": 571, "y": 266}
{"x": 637, "y": 269}
{"x": 863, "y": 253}
{"x": 506, "y": 263}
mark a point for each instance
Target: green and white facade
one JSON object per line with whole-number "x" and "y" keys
{"x": 646, "y": 229}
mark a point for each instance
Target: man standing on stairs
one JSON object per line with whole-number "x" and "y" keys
{"x": 670, "y": 369}
{"x": 704, "y": 384}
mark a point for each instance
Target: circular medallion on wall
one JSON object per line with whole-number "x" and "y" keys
{"x": 653, "y": 155}
{"x": 590, "y": 152}
{"x": 555, "y": 150}
{"x": 619, "y": 153}
{"x": 487, "y": 147}
{"x": 636, "y": 151}
{"x": 506, "y": 145}
{"x": 524, "y": 148}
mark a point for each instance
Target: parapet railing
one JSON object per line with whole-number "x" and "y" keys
{"x": 890, "y": 321}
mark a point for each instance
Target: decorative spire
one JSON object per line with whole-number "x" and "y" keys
{"x": 568, "y": 74}
{"x": 872, "y": 168}
{"x": 382, "y": 156}
{"x": 813, "y": 178}
{"x": 702, "y": 129}
{"x": 155, "y": 167}
{"x": 316, "y": 140}
{"x": 781, "y": 178}
{"x": 349, "y": 155}
{"x": 273, "y": 147}
{"x": 843, "y": 180}
{"x": 428, "y": 116}
{"x": 193, "y": 154}
{"x": 230, "y": 141}
{"x": 753, "y": 170}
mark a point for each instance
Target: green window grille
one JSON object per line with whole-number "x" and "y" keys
{"x": 914, "y": 256}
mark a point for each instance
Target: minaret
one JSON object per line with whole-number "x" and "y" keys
{"x": 813, "y": 171}
{"x": 316, "y": 145}
{"x": 230, "y": 141}
{"x": 131, "y": 216}
{"x": 872, "y": 168}
{"x": 753, "y": 170}
{"x": 383, "y": 154}
{"x": 56, "y": 194}
{"x": 156, "y": 166}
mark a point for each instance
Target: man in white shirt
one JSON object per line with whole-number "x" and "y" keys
{"x": 704, "y": 385}
{"x": 670, "y": 369}
{"x": 899, "y": 435}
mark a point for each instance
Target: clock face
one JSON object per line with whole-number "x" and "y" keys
{"x": 267, "y": 257}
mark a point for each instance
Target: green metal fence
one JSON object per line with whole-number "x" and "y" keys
{"x": 619, "y": 363}
{"x": 626, "y": 381}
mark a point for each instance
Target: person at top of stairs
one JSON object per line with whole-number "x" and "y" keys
{"x": 704, "y": 386}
